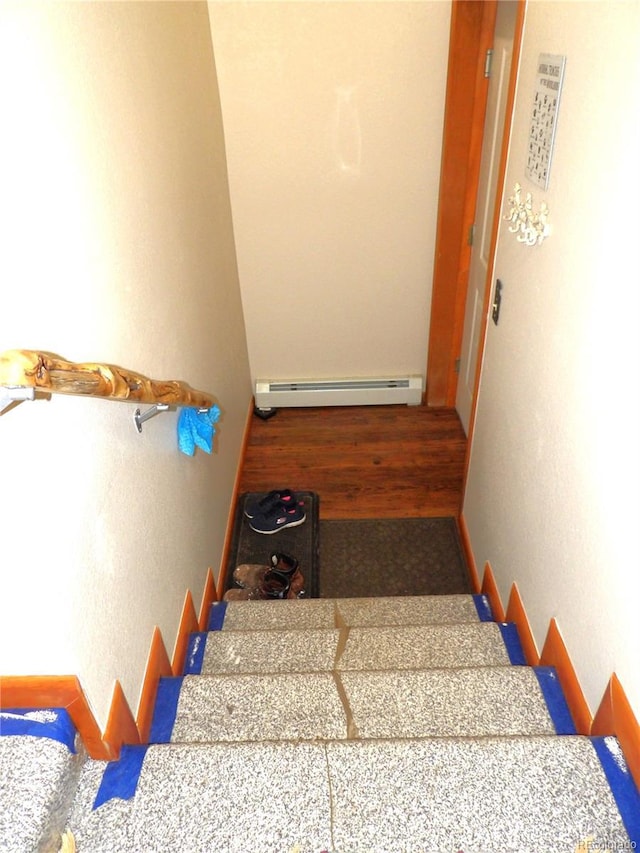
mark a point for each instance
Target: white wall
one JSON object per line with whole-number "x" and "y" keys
{"x": 333, "y": 116}
{"x": 552, "y": 497}
{"x": 117, "y": 246}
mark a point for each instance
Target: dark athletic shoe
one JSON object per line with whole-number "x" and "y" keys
{"x": 278, "y": 517}
{"x": 262, "y": 505}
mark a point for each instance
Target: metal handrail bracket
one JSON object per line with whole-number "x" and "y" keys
{"x": 15, "y": 394}
{"x": 140, "y": 417}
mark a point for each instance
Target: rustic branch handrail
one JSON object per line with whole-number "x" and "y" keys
{"x": 47, "y": 372}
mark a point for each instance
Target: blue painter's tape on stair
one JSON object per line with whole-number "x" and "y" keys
{"x": 164, "y": 713}
{"x": 52, "y": 723}
{"x": 622, "y": 785}
{"x": 195, "y": 653}
{"x": 216, "y": 615}
{"x": 512, "y": 642}
{"x": 483, "y": 607}
{"x": 120, "y": 778}
{"x": 556, "y": 702}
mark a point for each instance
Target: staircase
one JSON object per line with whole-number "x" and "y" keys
{"x": 408, "y": 725}
{"x": 39, "y": 769}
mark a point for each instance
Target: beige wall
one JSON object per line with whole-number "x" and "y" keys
{"x": 333, "y": 118}
{"x": 117, "y": 246}
{"x": 552, "y": 498}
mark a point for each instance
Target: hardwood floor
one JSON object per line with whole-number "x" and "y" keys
{"x": 363, "y": 461}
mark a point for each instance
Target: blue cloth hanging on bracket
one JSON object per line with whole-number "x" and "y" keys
{"x": 196, "y": 429}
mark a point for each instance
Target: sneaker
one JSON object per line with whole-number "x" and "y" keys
{"x": 278, "y": 517}
{"x": 268, "y": 501}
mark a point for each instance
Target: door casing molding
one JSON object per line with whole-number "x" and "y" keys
{"x": 471, "y": 36}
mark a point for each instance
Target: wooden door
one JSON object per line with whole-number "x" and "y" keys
{"x": 482, "y": 250}
{"x": 472, "y": 29}
{"x": 471, "y": 34}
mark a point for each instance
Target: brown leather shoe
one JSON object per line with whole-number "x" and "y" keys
{"x": 252, "y": 576}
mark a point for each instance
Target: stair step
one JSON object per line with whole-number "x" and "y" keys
{"x": 473, "y": 702}
{"x": 325, "y": 649}
{"x": 529, "y": 795}
{"x": 353, "y": 612}
{"x": 245, "y": 652}
{"x": 491, "y": 701}
{"x": 428, "y": 646}
{"x": 39, "y": 775}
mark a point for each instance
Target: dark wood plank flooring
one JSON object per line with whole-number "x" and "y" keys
{"x": 363, "y": 461}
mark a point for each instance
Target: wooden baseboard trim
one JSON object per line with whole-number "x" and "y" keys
{"x": 188, "y": 624}
{"x": 121, "y": 725}
{"x": 209, "y": 595}
{"x": 158, "y": 666}
{"x": 490, "y": 589}
{"x": 516, "y": 613}
{"x": 65, "y": 691}
{"x": 555, "y": 653}
{"x": 228, "y": 539}
{"x": 58, "y": 691}
{"x": 474, "y": 575}
{"x": 615, "y": 717}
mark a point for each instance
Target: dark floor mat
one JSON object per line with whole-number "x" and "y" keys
{"x": 300, "y": 542}
{"x": 377, "y": 557}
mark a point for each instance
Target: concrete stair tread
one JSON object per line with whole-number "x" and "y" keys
{"x": 394, "y": 725}
{"x": 425, "y": 646}
{"x": 494, "y": 794}
{"x": 325, "y": 649}
{"x": 354, "y": 612}
{"x": 302, "y": 650}
{"x": 409, "y": 610}
{"x": 482, "y": 701}
{"x": 37, "y": 782}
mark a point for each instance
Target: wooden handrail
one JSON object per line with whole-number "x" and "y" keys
{"x": 51, "y": 373}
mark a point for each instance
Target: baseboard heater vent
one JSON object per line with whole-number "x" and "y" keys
{"x": 338, "y": 392}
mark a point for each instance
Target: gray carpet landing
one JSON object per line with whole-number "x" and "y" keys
{"x": 383, "y": 557}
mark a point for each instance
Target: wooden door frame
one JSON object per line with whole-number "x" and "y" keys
{"x": 470, "y": 37}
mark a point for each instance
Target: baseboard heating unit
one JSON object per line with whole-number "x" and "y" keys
{"x": 338, "y": 392}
